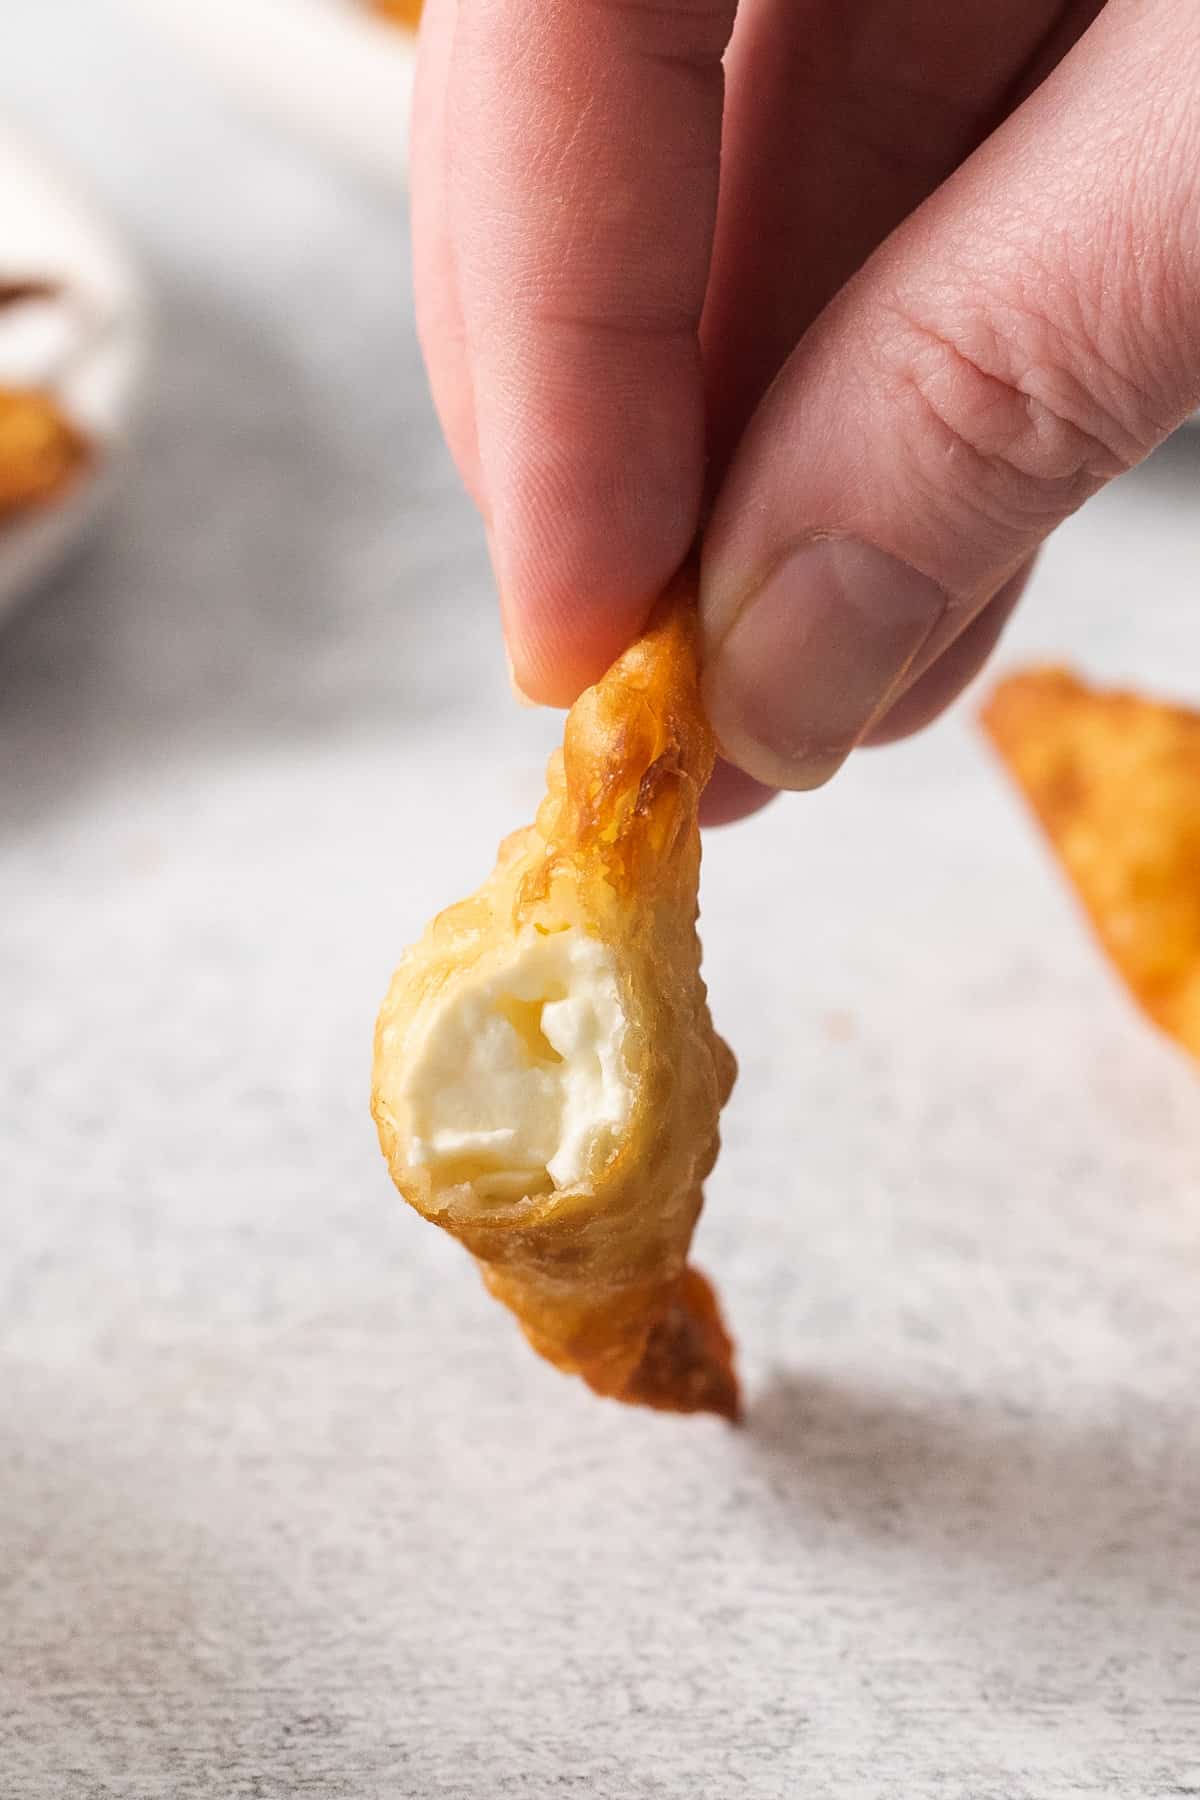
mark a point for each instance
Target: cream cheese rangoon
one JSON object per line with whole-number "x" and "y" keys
{"x": 547, "y": 1080}
{"x": 1114, "y": 781}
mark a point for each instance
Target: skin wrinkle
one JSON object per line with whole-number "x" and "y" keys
{"x": 999, "y": 315}
{"x": 1061, "y": 292}
{"x": 1133, "y": 220}
{"x": 970, "y": 463}
{"x": 1071, "y": 407}
{"x": 1057, "y": 308}
{"x": 992, "y": 489}
{"x": 1163, "y": 187}
{"x": 587, "y": 258}
{"x": 964, "y": 523}
{"x": 1003, "y": 413}
{"x": 578, "y": 131}
{"x": 762, "y": 299}
{"x": 1100, "y": 336}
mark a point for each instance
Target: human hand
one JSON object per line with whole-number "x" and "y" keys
{"x": 958, "y": 244}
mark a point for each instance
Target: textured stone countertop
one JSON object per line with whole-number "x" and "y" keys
{"x": 286, "y": 1508}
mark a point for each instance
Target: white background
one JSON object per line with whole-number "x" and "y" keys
{"x": 286, "y": 1507}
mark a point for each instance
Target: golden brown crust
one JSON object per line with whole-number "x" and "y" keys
{"x": 41, "y": 452}
{"x": 687, "y": 1365}
{"x": 1114, "y": 780}
{"x": 596, "y": 1273}
{"x": 398, "y": 12}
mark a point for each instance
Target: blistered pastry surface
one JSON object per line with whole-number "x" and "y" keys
{"x": 595, "y": 1272}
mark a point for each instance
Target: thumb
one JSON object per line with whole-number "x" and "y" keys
{"x": 1027, "y": 334}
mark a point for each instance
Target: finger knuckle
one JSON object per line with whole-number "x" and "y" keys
{"x": 1030, "y": 417}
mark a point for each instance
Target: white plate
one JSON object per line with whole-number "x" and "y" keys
{"x": 330, "y": 68}
{"x": 86, "y": 345}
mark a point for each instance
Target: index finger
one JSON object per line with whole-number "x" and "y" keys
{"x": 583, "y": 142}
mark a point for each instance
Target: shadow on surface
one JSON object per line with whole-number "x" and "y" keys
{"x": 1046, "y": 1502}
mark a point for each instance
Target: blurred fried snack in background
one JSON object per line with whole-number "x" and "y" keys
{"x": 1114, "y": 780}
{"x": 398, "y": 12}
{"x": 41, "y": 452}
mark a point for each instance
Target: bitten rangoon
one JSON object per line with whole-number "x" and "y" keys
{"x": 547, "y": 1079}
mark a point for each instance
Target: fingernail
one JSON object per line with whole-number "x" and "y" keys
{"x": 798, "y": 669}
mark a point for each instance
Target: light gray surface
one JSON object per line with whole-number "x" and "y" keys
{"x": 285, "y": 1507}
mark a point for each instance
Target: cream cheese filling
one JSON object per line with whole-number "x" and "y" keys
{"x": 518, "y": 1081}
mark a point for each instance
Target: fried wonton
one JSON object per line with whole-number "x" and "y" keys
{"x": 398, "y": 12}
{"x": 1114, "y": 780}
{"x": 41, "y": 451}
{"x": 547, "y": 1078}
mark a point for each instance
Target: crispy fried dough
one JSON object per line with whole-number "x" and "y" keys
{"x": 1114, "y": 780}
{"x": 41, "y": 452}
{"x": 596, "y": 1272}
{"x": 398, "y": 12}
